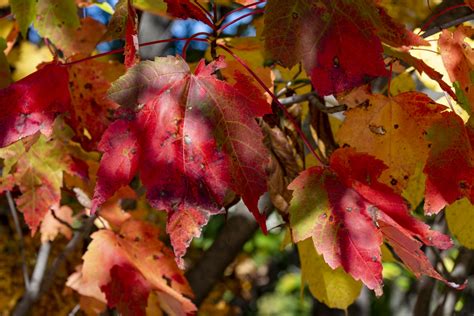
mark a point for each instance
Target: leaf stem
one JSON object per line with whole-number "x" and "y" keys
{"x": 205, "y": 11}
{"x": 390, "y": 79}
{"x": 439, "y": 28}
{"x": 223, "y": 27}
{"x": 6, "y": 15}
{"x": 434, "y": 17}
{"x": 277, "y": 102}
{"x": 120, "y": 50}
{"x": 221, "y": 20}
{"x": 192, "y": 37}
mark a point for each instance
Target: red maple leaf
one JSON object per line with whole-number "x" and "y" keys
{"x": 129, "y": 300}
{"x": 338, "y": 42}
{"x": 194, "y": 139}
{"x": 124, "y": 268}
{"x": 131, "y": 37}
{"x": 32, "y": 103}
{"x": 185, "y": 9}
{"x": 450, "y": 165}
{"x": 348, "y": 213}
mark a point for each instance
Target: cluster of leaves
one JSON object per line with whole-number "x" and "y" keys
{"x": 198, "y": 140}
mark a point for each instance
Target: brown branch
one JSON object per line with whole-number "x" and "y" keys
{"x": 438, "y": 28}
{"x": 239, "y": 228}
{"x": 313, "y": 99}
{"x": 63, "y": 222}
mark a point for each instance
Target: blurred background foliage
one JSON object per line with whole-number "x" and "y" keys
{"x": 265, "y": 278}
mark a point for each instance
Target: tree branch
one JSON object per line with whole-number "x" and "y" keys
{"x": 16, "y": 220}
{"x": 239, "y": 228}
{"x": 33, "y": 290}
{"x": 438, "y": 28}
{"x": 42, "y": 280}
{"x": 312, "y": 98}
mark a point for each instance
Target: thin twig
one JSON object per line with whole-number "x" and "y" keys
{"x": 439, "y": 28}
{"x": 71, "y": 245}
{"x": 16, "y": 220}
{"x": 320, "y": 106}
{"x": 74, "y": 311}
{"x": 297, "y": 98}
{"x": 277, "y": 102}
{"x": 437, "y": 15}
{"x": 440, "y": 260}
{"x": 63, "y": 222}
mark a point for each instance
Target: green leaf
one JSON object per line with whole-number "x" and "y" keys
{"x": 152, "y": 6}
{"x": 54, "y": 16}
{"x": 24, "y": 11}
{"x": 5, "y": 74}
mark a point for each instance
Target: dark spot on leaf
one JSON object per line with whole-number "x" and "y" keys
{"x": 88, "y": 86}
{"x": 395, "y": 126}
{"x": 405, "y": 177}
{"x": 463, "y": 185}
{"x": 393, "y": 182}
{"x": 335, "y": 62}
{"x": 295, "y": 15}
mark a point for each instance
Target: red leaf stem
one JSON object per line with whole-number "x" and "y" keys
{"x": 221, "y": 20}
{"x": 434, "y": 17}
{"x": 275, "y": 99}
{"x": 223, "y": 27}
{"x": 191, "y": 38}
